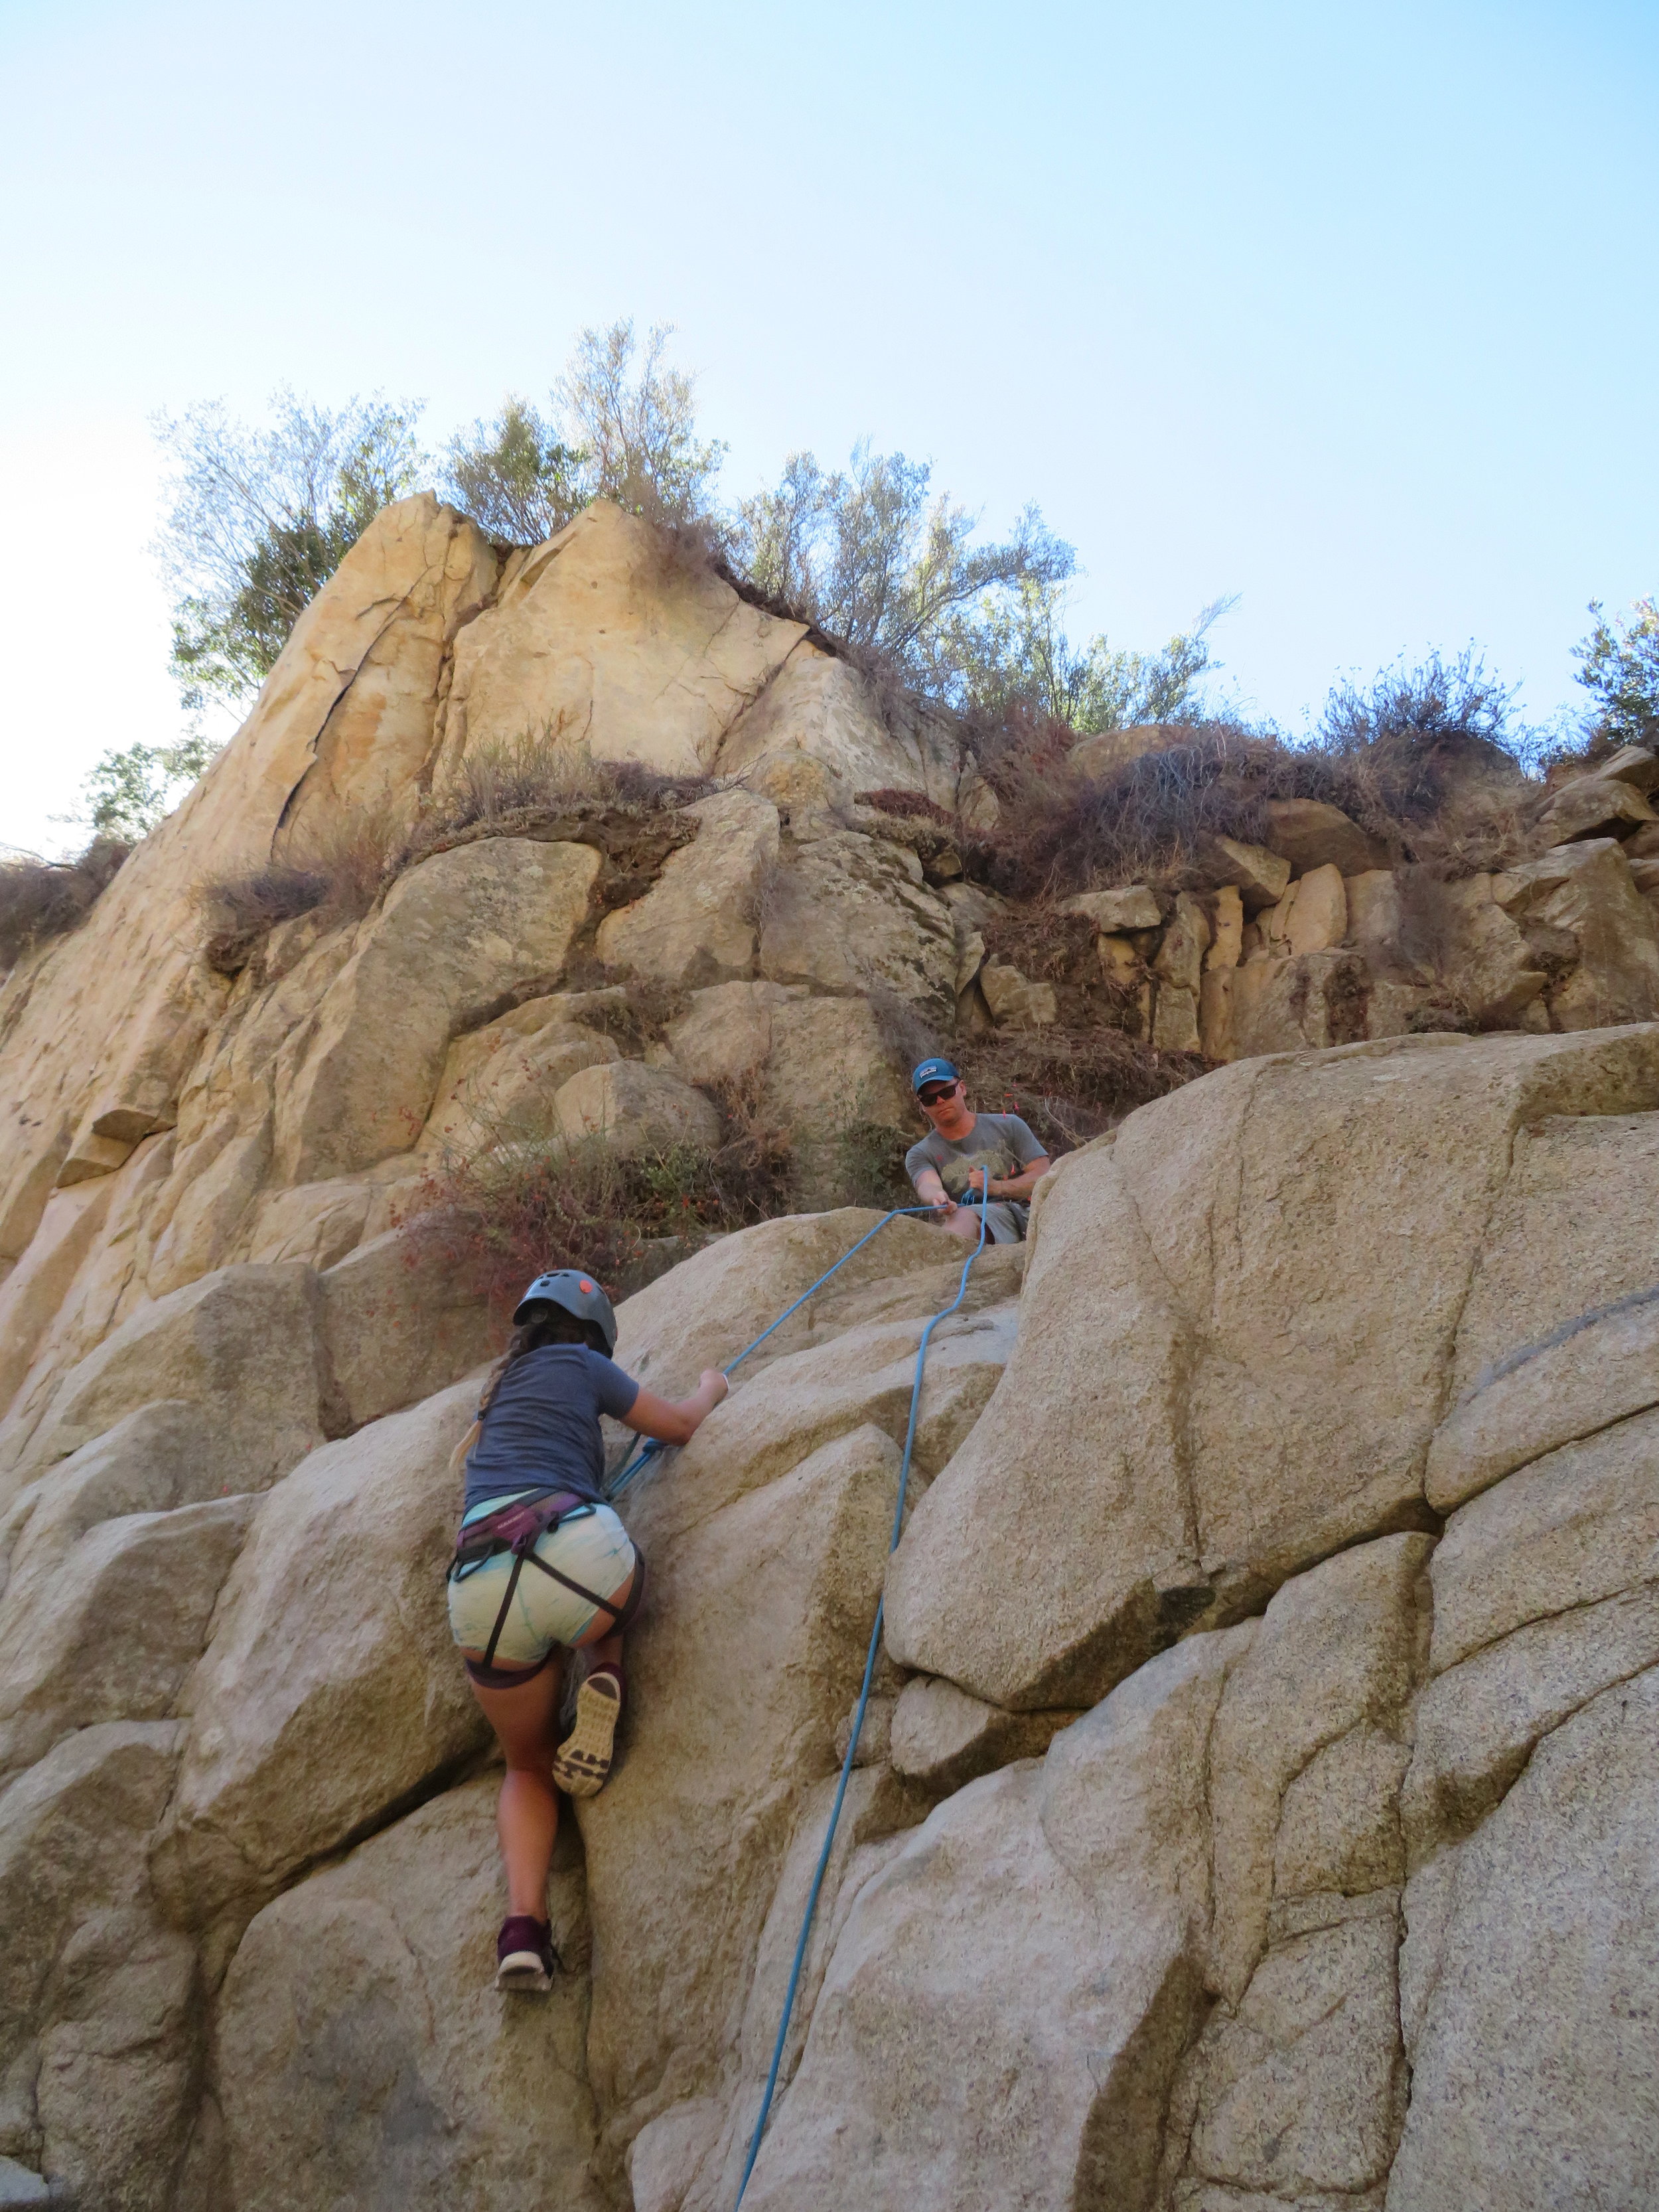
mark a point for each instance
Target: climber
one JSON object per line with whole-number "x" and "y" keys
{"x": 963, "y": 1151}
{"x": 542, "y": 1563}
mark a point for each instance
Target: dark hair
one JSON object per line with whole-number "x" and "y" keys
{"x": 546, "y": 1324}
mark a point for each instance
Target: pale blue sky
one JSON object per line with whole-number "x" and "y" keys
{"x": 1351, "y": 311}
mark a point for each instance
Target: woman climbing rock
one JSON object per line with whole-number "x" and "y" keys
{"x": 541, "y": 1565}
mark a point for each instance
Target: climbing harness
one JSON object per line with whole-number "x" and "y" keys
{"x": 944, "y": 1314}
{"x": 518, "y": 1528}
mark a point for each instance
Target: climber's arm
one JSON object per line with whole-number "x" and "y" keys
{"x": 677, "y": 1421}
{"x": 1019, "y": 1186}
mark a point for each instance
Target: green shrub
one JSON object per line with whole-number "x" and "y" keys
{"x": 1621, "y": 671}
{"x": 262, "y": 516}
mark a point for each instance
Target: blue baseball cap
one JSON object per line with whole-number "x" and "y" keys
{"x": 935, "y": 1070}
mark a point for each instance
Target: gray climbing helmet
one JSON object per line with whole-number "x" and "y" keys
{"x": 575, "y": 1294}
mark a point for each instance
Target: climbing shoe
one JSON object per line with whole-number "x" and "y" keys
{"x": 524, "y": 1957}
{"x": 582, "y": 1762}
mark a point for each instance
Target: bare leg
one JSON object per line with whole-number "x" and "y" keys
{"x": 526, "y": 1721}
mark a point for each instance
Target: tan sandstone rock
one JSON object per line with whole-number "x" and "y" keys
{"x": 1032, "y": 1945}
{"x": 814, "y": 736}
{"x": 399, "y": 1323}
{"x": 1593, "y": 806}
{"x": 115, "y": 1012}
{"x": 727, "y": 1031}
{"x": 751, "y": 1648}
{"x": 1133, "y": 908}
{"x": 1180, "y": 958}
{"x": 1261, "y": 876}
{"x": 601, "y": 636}
{"x": 850, "y": 912}
{"x": 497, "y": 1081}
{"x": 1016, "y": 1002}
{"x": 1538, "y": 1975}
{"x": 457, "y": 934}
{"x": 436, "y": 2086}
{"x": 108, "y": 1630}
{"x": 242, "y": 1344}
{"x": 696, "y": 923}
{"x": 635, "y": 1109}
{"x": 1314, "y": 999}
{"x": 97, "y": 2001}
{"x": 331, "y": 1631}
{"x": 943, "y": 1737}
{"x": 831, "y": 1053}
{"x": 1231, "y": 1398}
{"x": 1310, "y": 834}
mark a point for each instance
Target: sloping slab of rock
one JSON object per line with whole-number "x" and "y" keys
{"x": 751, "y": 1650}
{"x": 1005, "y": 2010}
{"x": 241, "y": 1343}
{"x": 1531, "y": 1982}
{"x": 329, "y": 1689}
{"x": 365, "y": 2055}
{"x": 696, "y": 923}
{"x": 601, "y": 636}
{"x": 457, "y": 935}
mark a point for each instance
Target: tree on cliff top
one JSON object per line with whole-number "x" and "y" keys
{"x": 616, "y": 431}
{"x": 875, "y": 558}
{"x": 261, "y": 519}
{"x": 1621, "y": 671}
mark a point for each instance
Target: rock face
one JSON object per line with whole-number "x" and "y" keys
{"x": 1257, "y": 1800}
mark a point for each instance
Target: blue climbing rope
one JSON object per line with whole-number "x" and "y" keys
{"x": 944, "y": 1314}
{"x": 649, "y": 1450}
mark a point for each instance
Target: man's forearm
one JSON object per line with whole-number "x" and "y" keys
{"x": 1022, "y": 1185}
{"x": 930, "y": 1189}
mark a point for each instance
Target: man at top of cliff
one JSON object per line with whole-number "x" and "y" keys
{"x": 963, "y": 1152}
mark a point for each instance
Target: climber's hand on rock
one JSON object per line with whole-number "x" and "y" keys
{"x": 714, "y": 1386}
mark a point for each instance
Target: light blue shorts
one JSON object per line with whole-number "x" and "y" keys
{"x": 591, "y": 1547}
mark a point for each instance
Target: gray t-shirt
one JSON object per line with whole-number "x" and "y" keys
{"x": 1000, "y": 1142}
{"x": 543, "y": 1427}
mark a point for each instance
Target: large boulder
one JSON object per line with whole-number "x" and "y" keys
{"x": 399, "y": 1323}
{"x": 1531, "y": 1979}
{"x": 1237, "y": 1338}
{"x": 750, "y": 1653}
{"x": 609, "y": 635}
{"x": 1034, "y": 1950}
{"x": 364, "y": 2056}
{"x": 101, "y": 2016}
{"x": 635, "y": 1109}
{"x": 108, "y": 1631}
{"x": 496, "y": 1081}
{"x": 850, "y": 912}
{"x": 815, "y": 735}
{"x": 459, "y": 935}
{"x": 330, "y": 1691}
{"x": 241, "y": 1343}
{"x": 725, "y": 1032}
{"x": 35, "y": 1289}
{"x": 1165, "y": 1957}
{"x": 1309, "y": 833}
{"x": 1585, "y": 894}
{"x": 696, "y": 923}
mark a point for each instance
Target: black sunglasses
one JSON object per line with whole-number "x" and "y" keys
{"x": 936, "y": 1097}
